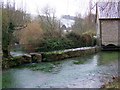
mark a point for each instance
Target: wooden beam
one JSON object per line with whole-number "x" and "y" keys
{"x": 109, "y": 18}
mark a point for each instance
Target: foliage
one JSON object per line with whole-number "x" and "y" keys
{"x": 55, "y": 44}
{"x": 114, "y": 85}
{"x": 43, "y": 33}
{"x": 76, "y": 39}
{"x": 91, "y": 33}
{"x": 50, "y": 37}
{"x": 49, "y": 23}
{"x": 11, "y": 19}
{"x": 85, "y": 24}
{"x": 87, "y": 40}
{"x": 45, "y": 67}
{"x": 79, "y": 62}
{"x": 72, "y": 40}
{"x": 81, "y": 40}
{"x": 79, "y": 26}
{"x": 31, "y": 36}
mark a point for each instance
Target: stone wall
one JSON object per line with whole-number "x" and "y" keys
{"x": 60, "y": 55}
{"x": 109, "y": 32}
{"x": 47, "y": 56}
{"x": 21, "y": 60}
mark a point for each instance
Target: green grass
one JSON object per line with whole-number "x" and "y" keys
{"x": 79, "y": 62}
{"x": 45, "y": 67}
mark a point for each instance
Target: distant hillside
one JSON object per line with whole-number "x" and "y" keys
{"x": 68, "y": 17}
{"x": 67, "y": 20}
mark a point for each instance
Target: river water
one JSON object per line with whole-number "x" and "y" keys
{"x": 82, "y": 72}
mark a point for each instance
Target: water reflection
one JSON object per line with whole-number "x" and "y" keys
{"x": 95, "y": 60}
{"x": 107, "y": 57}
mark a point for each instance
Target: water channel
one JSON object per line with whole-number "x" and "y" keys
{"x": 82, "y": 72}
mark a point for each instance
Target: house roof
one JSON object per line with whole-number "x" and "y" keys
{"x": 108, "y": 10}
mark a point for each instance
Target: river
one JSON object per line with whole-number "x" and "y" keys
{"x": 82, "y": 72}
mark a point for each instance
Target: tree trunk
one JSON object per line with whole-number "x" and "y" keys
{"x": 6, "y": 52}
{"x": 6, "y": 39}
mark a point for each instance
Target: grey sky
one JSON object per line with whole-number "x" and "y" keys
{"x": 70, "y": 7}
{"x": 62, "y": 7}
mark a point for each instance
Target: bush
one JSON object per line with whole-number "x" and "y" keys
{"x": 84, "y": 40}
{"x": 89, "y": 40}
{"x": 55, "y": 44}
{"x": 72, "y": 40}
{"x": 76, "y": 39}
{"x": 31, "y": 36}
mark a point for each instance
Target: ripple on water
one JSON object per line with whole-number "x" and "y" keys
{"x": 92, "y": 73}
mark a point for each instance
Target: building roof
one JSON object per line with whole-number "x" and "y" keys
{"x": 108, "y": 10}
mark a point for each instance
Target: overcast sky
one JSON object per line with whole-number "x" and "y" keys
{"x": 70, "y": 7}
{"x": 62, "y": 7}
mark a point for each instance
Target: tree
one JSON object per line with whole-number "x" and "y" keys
{"x": 86, "y": 24}
{"x": 12, "y": 20}
{"x": 78, "y": 26}
{"x": 83, "y": 25}
{"x": 48, "y": 22}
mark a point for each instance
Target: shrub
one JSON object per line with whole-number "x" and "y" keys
{"x": 53, "y": 44}
{"x": 87, "y": 40}
{"x": 84, "y": 40}
{"x": 31, "y": 36}
{"x": 76, "y": 39}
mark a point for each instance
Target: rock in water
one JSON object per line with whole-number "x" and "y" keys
{"x": 36, "y": 57}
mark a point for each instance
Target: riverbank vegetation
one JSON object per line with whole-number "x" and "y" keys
{"x": 44, "y": 32}
{"x": 45, "y": 67}
{"x": 115, "y": 85}
{"x": 52, "y": 39}
{"x": 12, "y": 20}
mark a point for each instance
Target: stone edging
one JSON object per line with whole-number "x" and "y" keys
{"x": 60, "y": 55}
{"x": 48, "y": 56}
